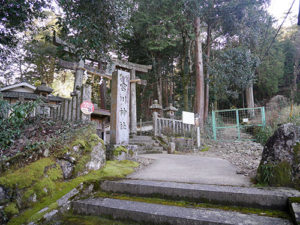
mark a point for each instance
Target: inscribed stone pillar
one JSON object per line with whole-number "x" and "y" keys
{"x": 119, "y": 121}
{"x": 132, "y": 104}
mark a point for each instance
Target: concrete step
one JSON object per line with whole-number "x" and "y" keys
{"x": 164, "y": 214}
{"x": 239, "y": 196}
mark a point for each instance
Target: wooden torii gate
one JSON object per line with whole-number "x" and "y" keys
{"x": 80, "y": 67}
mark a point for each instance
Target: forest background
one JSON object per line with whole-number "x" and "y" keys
{"x": 206, "y": 54}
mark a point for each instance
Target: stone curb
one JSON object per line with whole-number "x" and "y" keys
{"x": 295, "y": 211}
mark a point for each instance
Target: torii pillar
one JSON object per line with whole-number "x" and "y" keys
{"x": 133, "y": 119}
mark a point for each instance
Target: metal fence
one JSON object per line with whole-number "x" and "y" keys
{"x": 237, "y": 124}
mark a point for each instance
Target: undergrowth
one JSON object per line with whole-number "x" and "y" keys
{"x": 275, "y": 118}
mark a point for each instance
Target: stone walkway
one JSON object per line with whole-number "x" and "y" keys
{"x": 190, "y": 169}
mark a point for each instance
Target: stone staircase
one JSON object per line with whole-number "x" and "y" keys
{"x": 146, "y": 144}
{"x": 149, "y": 213}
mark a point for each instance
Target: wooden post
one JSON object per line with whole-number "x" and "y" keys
{"x": 65, "y": 109}
{"x": 132, "y": 104}
{"x": 73, "y": 108}
{"x": 69, "y": 110}
{"x": 173, "y": 127}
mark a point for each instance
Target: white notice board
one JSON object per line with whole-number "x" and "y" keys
{"x": 188, "y": 117}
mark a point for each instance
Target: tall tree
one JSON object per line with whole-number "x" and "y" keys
{"x": 297, "y": 59}
{"x": 152, "y": 37}
{"x": 16, "y": 16}
{"x": 92, "y": 26}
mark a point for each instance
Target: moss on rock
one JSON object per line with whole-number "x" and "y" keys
{"x": 112, "y": 170}
{"x": 81, "y": 164}
{"x": 118, "y": 150}
{"x": 26, "y": 176}
{"x": 11, "y": 209}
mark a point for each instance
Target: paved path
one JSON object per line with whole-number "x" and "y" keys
{"x": 190, "y": 169}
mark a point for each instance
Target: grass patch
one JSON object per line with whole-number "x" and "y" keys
{"x": 112, "y": 170}
{"x": 188, "y": 204}
{"x": 205, "y": 148}
{"x": 294, "y": 199}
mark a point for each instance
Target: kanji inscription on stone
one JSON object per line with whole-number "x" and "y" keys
{"x": 120, "y": 108}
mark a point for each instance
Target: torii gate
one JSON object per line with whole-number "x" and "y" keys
{"x": 80, "y": 67}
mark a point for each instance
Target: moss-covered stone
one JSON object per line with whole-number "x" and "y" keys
{"x": 55, "y": 173}
{"x": 81, "y": 164}
{"x": 41, "y": 183}
{"x": 26, "y": 176}
{"x": 11, "y": 209}
{"x": 112, "y": 170}
{"x": 118, "y": 150}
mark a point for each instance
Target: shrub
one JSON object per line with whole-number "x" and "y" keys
{"x": 12, "y": 119}
{"x": 262, "y": 134}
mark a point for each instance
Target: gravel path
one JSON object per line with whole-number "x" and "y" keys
{"x": 245, "y": 155}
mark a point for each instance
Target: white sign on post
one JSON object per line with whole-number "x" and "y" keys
{"x": 188, "y": 118}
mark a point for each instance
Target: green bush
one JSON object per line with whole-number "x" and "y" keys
{"x": 262, "y": 134}
{"x": 12, "y": 119}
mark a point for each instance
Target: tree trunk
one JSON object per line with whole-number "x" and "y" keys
{"x": 296, "y": 62}
{"x": 250, "y": 98}
{"x": 159, "y": 82}
{"x": 166, "y": 90}
{"x": 186, "y": 95}
{"x": 199, "y": 73}
{"x": 185, "y": 72}
{"x": 208, "y": 47}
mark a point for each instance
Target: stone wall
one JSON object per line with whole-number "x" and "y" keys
{"x": 25, "y": 184}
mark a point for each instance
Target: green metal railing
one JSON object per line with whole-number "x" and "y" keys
{"x": 237, "y": 124}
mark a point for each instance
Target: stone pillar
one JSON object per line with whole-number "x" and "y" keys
{"x": 132, "y": 104}
{"x": 86, "y": 93}
{"x": 77, "y": 91}
{"x": 78, "y": 76}
{"x": 155, "y": 125}
{"x": 119, "y": 120}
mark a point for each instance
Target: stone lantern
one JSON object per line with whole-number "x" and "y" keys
{"x": 155, "y": 107}
{"x": 170, "y": 110}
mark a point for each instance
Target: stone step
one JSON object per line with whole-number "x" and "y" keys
{"x": 239, "y": 196}
{"x": 142, "y": 142}
{"x": 165, "y": 214}
{"x": 142, "y": 138}
{"x": 150, "y": 149}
